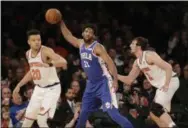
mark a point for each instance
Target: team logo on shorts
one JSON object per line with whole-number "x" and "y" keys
{"x": 107, "y": 105}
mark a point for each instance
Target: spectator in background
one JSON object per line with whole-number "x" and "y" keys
{"x": 77, "y": 90}
{"x": 135, "y": 119}
{"x": 171, "y": 62}
{"x": 73, "y": 121}
{"x": 6, "y": 65}
{"x": 66, "y": 109}
{"x": 7, "y": 81}
{"x": 177, "y": 69}
{"x": 19, "y": 75}
{"x": 51, "y": 42}
{"x": 148, "y": 90}
{"x": 6, "y": 121}
{"x": 181, "y": 51}
{"x": 173, "y": 42}
{"x": 10, "y": 45}
{"x": 6, "y": 97}
{"x": 185, "y": 73}
{"x": 119, "y": 52}
{"x": 119, "y": 63}
{"x": 17, "y": 111}
{"x": 106, "y": 39}
{"x": 183, "y": 89}
{"x": 28, "y": 93}
{"x": 24, "y": 64}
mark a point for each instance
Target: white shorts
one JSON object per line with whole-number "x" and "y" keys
{"x": 164, "y": 98}
{"x": 43, "y": 100}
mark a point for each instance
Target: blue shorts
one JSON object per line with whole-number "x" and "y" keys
{"x": 97, "y": 94}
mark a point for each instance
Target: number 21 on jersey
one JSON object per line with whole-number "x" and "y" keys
{"x": 86, "y": 64}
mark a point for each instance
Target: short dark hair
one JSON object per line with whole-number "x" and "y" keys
{"x": 68, "y": 89}
{"x": 142, "y": 42}
{"x": 33, "y": 32}
{"x": 92, "y": 26}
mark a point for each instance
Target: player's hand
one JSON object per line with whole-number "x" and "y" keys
{"x": 16, "y": 92}
{"x": 114, "y": 86}
{"x": 164, "y": 88}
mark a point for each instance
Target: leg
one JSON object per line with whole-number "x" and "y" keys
{"x": 164, "y": 99}
{"x": 157, "y": 120}
{"x": 119, "y": 119}
{"x": 88, "y": 105}
{"x": 110, "y": 105}
{"x": 32, "y": 109}
{"x": 48, "y": 105}
{"x": 42, "y": 120}
{"x": 161, "y": 117}
{"x": 27, "y": 123}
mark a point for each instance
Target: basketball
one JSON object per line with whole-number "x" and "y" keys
{"x": 53, "y": 16}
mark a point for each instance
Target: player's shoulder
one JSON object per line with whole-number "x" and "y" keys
{"x": 135, "y": 64}
{"x": 150, "y": 54}
{"x": 99, "y": 47}
{"x": 27, "y": 53}
{"x": 45, "y": 48}
{"x": 80, "y": 42}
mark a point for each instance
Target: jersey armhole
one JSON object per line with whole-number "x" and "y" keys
{"x": 146, "y": 58}
{"x": 93, "y": 53}
{"x": 41, "y": 54}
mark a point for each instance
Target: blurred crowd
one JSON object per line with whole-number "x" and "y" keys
{"x": 165, "y": 24}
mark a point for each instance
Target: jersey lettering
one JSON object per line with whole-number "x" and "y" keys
{"x": 86, "y": 64}
{"x": 146, "y": 70}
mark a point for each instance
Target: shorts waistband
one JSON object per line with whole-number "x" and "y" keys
{"x": 48, "y": 85}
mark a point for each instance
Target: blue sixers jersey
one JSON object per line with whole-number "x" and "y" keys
{"x": 93, "y": 65}
{"x": 98, "y": 89}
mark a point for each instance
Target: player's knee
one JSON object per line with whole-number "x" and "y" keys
{"x": 157, "y": 109}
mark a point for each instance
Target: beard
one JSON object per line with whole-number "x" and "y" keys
{"x": 88, "y": 41}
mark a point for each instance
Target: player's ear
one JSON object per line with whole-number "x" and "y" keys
{"x": 82, "y": 34}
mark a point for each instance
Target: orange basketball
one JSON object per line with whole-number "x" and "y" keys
{"x": 53, "y": 16}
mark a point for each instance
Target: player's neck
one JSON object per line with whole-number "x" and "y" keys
{"x": 35, "y": 51}
{"x": 138, "y": 54}
{"x": 89, "y": 43}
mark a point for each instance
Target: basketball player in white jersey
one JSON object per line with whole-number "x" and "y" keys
{"x": 159, "y": 73}
{"x": 43, "y": 62}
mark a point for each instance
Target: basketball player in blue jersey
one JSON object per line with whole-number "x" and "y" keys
{"x": 100, "y": 89}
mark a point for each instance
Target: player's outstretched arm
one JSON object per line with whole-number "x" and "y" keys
{"x": 132, "y": 75}
{"x": 24, "y": 81}
{"x": 154, "y": 58}
{"x": 57, "y": 60}
{"x": 68, "y": 35}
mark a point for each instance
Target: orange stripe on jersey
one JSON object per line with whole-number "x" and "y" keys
{"x": 145, "y": 70}
{"x": 35, "y": 64}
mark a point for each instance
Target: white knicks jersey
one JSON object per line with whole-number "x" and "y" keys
{"x": 41, "y": 75}
{"x": 154, "y": 74}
